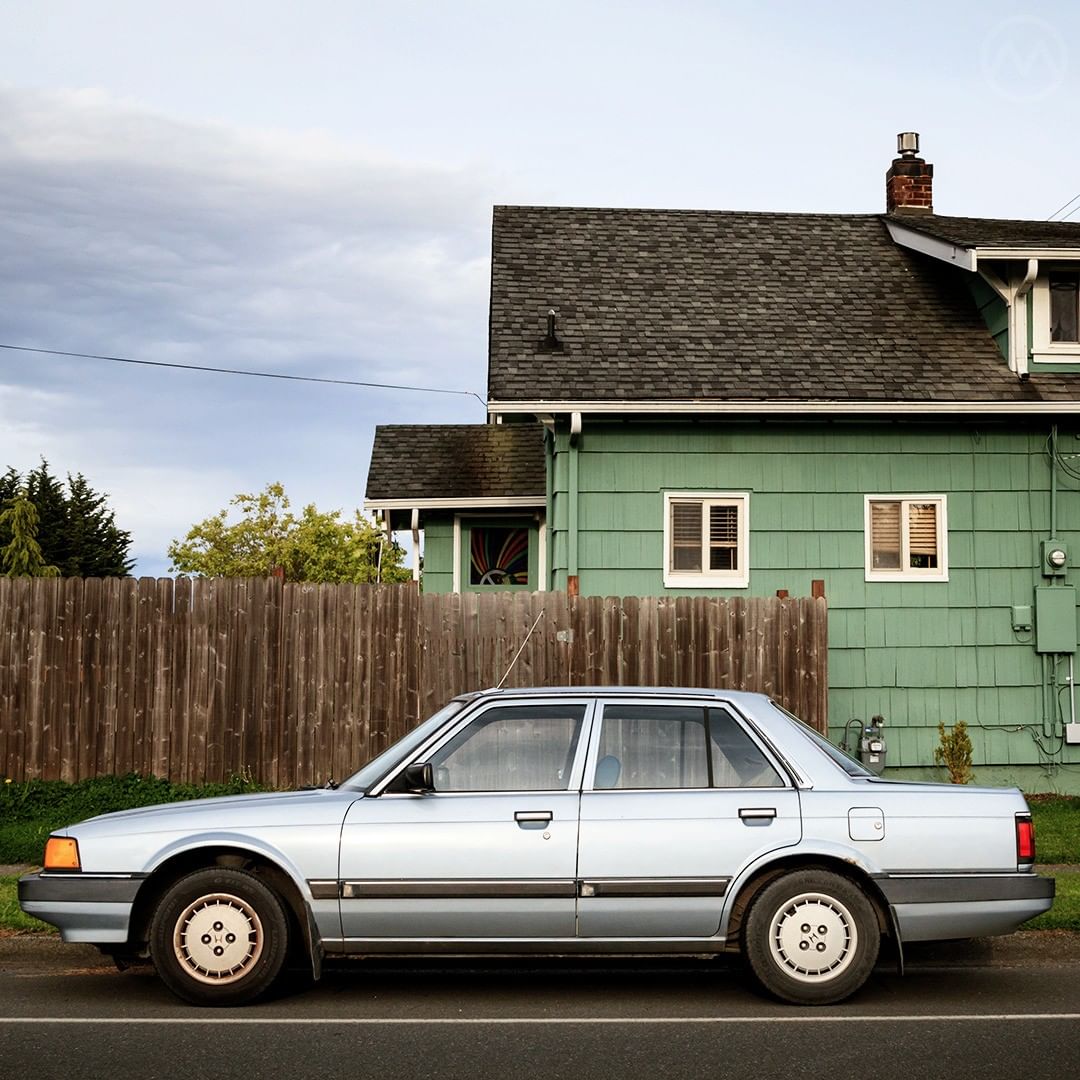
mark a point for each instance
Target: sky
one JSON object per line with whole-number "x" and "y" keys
{"x": 307, "y": 190}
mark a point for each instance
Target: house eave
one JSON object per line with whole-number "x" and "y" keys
{"x": 968, "y": 258}
{"x": 515, "y": 502}
{"x": 955, "y": 255}
{"x": 785, "y": 408}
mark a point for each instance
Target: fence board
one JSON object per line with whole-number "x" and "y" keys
{"x": 196, "y": 680}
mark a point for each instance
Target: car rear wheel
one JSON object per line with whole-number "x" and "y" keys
{"x": 811, "y": 938}
{"x": 219, "y": 937}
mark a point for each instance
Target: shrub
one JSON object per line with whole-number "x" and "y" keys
{"x": 30, "y": 811}
{"x": 955, "y": 752}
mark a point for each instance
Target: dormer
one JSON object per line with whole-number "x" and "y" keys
{"x": 1033, "y": 267}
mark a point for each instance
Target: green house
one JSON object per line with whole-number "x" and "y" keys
{"x": 704, "y": 402}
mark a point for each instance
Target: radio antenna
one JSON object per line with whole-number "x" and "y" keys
{"x": 521, "y": 650}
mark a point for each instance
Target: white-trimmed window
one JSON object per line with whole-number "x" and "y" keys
{"x": 706, "y": 539}
{"x": 906, "y": 538}
{"x": 1055, "y": 315}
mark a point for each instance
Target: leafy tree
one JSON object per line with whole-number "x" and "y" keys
{"x": 21, "y": 556}
{"x": 76, "y": 529}
{"x": 313, "y": 546}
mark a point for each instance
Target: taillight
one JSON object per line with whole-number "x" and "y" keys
{"x": 1025, "y": 840}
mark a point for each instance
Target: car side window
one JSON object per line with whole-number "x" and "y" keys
{"x": 737, "y": 761}
{"x": 512, "y": 748}
{"x": 652, "y": 746}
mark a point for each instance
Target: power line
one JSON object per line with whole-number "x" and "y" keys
{"x": 239, "y": 371}
{"x": 1060, "y": 208}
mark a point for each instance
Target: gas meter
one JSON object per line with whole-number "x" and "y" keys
{"x": 871, "y": 748}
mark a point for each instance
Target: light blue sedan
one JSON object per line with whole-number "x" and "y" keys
{"x": 562, "y": 821}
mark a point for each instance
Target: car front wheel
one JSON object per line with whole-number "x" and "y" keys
{"x": 219, "y": 937}
{"x": 811, "y": 938}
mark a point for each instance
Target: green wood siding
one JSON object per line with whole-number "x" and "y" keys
{"x": 993, "y": 310}
{"x": 915, "y": 652}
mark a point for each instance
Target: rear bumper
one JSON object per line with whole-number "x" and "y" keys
{"x": 936, "y": 907}
{"x": 94, "y": 908}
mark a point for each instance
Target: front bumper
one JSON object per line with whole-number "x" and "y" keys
{"x": 937, "y": 907}
{"x": 93, "y": 908}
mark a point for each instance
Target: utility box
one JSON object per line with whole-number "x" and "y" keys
{"x": 1055, "y": 619}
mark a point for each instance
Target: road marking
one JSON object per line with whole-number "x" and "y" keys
{"x": 355, "y": 1021}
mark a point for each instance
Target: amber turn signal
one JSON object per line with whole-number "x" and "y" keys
{"x": 62, "y": 853}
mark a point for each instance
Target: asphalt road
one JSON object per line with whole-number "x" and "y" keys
{"x": 961, "y": 1011}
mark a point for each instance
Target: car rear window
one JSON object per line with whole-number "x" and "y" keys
{"x": 837, "y": 756}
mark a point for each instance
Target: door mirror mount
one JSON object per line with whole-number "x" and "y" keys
{"x": 420, "y": 777}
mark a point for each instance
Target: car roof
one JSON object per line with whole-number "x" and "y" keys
{"x": 614, "y": 691}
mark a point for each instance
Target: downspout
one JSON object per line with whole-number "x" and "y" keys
{"x": 549, "y": 506}
{"x": 1018, "y": 330}
{"x": 572, "y": 584}
{"x": 1015, "y": 297}
{"x": 415, "y": 526}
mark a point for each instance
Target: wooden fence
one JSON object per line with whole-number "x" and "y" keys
{"x": 195, "y": 680}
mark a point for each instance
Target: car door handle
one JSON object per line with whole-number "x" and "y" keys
{"x": 757, "y": 813}
{"x": 540, "y": 816}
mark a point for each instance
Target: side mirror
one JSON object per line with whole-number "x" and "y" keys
{"x": 420, "y": 776}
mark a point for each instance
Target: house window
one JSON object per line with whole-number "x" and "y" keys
{"x": 498, "y": 553}
{"x": 1065, "y": 307}
{"x": 706, "y": 539}
{"x": 498, "y": 556}
{"x": 1055, "y": 317}
{"x": 906, "y": 538}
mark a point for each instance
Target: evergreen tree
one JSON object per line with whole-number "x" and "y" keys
{"x": 94, "y": 546}
{"x": 76, "y": 531}
{"x": 21, "y": 556}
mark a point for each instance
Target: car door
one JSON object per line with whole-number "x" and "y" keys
{"x": 492, "y": 851}
{"x": 679, "y": 796}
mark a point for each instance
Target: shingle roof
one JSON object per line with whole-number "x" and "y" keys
{"x": 456, "y": 461}
{"x": 656, "y": 305}
{"x": 993, "y": 232}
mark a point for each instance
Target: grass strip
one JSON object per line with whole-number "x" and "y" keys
{"x": 1057, "y": 827}
{"x": 12, "y": 917}
{"x": 1065, "y": 914}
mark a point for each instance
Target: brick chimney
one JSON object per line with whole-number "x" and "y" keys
{"x": 909, "y": 183}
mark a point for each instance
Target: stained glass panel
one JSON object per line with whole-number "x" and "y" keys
{"x": 499, "y": 556}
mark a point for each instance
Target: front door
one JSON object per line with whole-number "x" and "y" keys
{"x": 491, "y": 853}
{"x": 678, "y": 799}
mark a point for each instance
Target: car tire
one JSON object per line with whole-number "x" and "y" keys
{"x": 219, "y": 937}
{"x": 811, "y": 937}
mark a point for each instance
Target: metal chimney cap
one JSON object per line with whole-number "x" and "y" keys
{"x": 907, "y": 143}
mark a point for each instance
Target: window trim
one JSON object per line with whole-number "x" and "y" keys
{"x": 789, "y": 776}
{"x": 1043, "y": 350}
{"x": 464, "y": 523}
{"x": 908, "y": 574}
{"x": 712, "y": 579}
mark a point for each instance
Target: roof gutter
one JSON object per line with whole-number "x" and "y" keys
{"x": 781, "y": 408}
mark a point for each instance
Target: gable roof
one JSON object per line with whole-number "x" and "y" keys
{"x": 456, "y": 462}
{"x": 721, "y": 306}
{"x": 969, "y": 232}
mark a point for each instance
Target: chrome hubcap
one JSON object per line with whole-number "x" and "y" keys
{"x": 218, "y": 938}
{"x": 813, "y": 937}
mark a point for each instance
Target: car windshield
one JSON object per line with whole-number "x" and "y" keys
{"x": 838, "y": 756}
{"x": 377, "y": 767}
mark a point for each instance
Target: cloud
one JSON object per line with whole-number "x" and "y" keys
{"x": 130, "y": 233}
